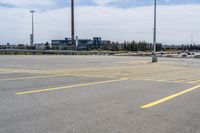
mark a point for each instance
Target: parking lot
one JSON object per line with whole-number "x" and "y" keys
{"x": 99, "y": 94}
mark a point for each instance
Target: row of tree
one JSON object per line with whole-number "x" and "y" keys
{"x": 181, "y": 47}
{"x": 125, "y": 46}
{"x": 113, "y": 46}
{"x": 142, "y": 46}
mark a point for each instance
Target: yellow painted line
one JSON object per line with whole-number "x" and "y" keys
{"x": 55, "y": 75}
{"x": 71, "y": 86}
{"x": 169, "y": 97}
{"x": 157, "y": 80}
{"x": 35, "y": 77}
{"x": 8, "y": 72}
{"x": 195, "y": 81}
{"x": 95, "y": 76}
{"x": 131, "y": 78}
{"x": 165, "y": 80}
{"x": 185, "y": 80}
{"x": 133, "y": 62}
{"x": 146, "y": 79}
{"x": 189, "y": 79}
{"x": 162, "y": 80}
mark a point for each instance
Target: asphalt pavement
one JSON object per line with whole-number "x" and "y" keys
{"x": 99, "y": 94}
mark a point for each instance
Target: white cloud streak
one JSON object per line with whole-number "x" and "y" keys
{"x": 29, "y": 3}
{"x": 105, "y": 2}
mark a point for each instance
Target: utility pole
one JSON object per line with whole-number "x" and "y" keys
{"x": 154, "y": 57}
{"x": 72, "y": 22}
{"x": 32, "y": 34}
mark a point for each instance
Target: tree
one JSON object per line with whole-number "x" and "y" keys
{"x": 47, "y": 46}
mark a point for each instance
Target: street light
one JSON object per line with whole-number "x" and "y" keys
{"x": 72, "y": 22}
{"x": 154, "y": 56}
{"x": 32, "y": 34}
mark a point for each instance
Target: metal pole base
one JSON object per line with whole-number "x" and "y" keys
{"x": 154, "y": 58}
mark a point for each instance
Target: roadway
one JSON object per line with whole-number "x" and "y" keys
{"x": 99, "y": 94}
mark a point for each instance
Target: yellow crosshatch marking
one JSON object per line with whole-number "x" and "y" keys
{"x": 70, "y": 86}
{"x": 169, "y": 97}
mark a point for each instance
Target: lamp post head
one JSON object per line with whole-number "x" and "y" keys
{"x": 32, "y": 11}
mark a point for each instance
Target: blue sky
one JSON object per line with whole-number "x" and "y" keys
{"x": 116, "y": 20}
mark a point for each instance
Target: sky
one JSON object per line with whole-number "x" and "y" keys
{"x": 115, "y": 20}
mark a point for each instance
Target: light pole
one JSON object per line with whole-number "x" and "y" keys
{"x": 72, "y": 22}
{"x": 154, "y": 56}
{"x": 32, "y": 34}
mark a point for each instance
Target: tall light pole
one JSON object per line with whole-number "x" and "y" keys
{"x": 32, "y": 34}
{"x": 154, "y": 56}
{"x": 72, "y": 22}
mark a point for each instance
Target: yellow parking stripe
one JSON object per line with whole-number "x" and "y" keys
{"x": 71, "y": 86}
{"x": 189, "y": 79}
{"x": 34, "y": 77}
{"x": 194, "y": 81}
{"x": 157, "y": 80}
{"x": 169, "y": 97}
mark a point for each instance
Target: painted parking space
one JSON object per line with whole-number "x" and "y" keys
{"x": 72, "y": 94}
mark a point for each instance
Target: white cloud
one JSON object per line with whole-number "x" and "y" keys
{"x": 28, "y": 3}
{"x": 105, "y": 2}
{"x": 175, "y": 24}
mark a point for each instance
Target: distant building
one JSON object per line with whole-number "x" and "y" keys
{"x": 82, "y": 43}
{"x": 21, "y": 46}
{"x": 105, "y": 42}
{"x": 8, "y": 46}
{"x": 96, "y": 40}
{"x": 40, "y": 46}
{"x": 57, "y": 43}
{"x": 61, "y": 44}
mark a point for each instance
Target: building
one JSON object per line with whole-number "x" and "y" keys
{"x": 105, "y": 42}
{"x": 58, "y": 43}
{"x": 62, "y": 44}
{"x": 40, "y": 46}
{"x": 8, "y": 46}
{"x": 21, "y": 46}
{"x": 83, "y": 44}
{"x": 97, "y": 40}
